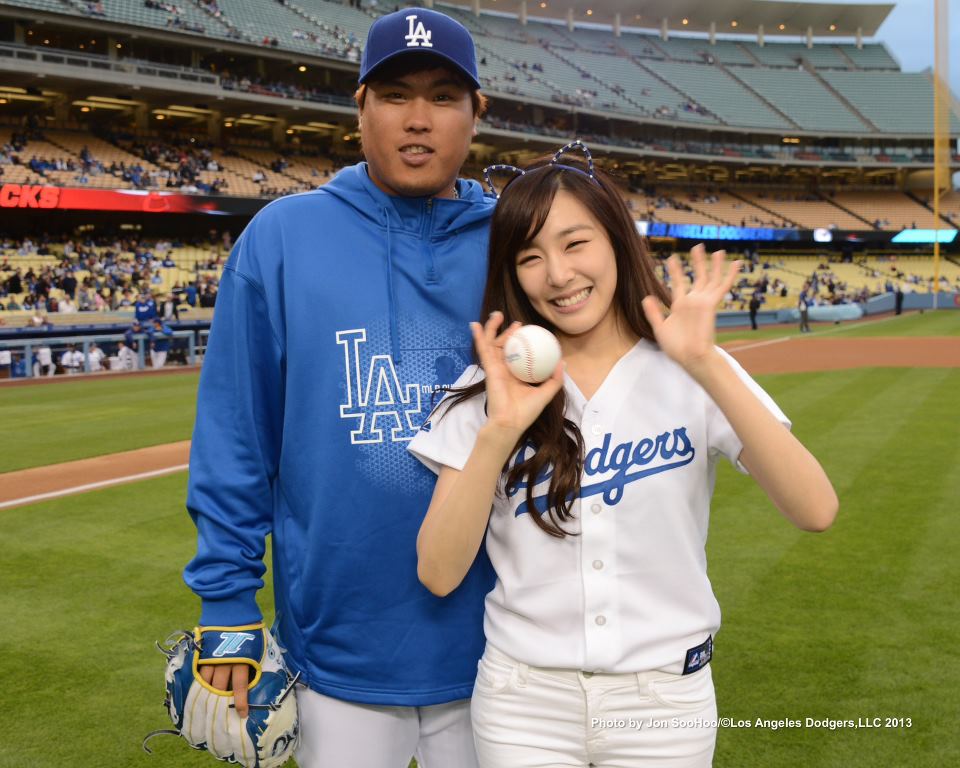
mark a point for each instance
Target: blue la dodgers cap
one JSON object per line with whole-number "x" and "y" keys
{"x": 423, "y": 31}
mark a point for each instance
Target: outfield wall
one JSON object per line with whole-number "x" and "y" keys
{"x": 911, "y": 301}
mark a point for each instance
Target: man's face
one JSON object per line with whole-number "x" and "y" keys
{"x": 416, "y": 131}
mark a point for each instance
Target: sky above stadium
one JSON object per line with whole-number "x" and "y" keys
{"x": 908, "y": 33}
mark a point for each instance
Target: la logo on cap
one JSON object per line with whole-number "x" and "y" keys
{"x": 417, "y": 37}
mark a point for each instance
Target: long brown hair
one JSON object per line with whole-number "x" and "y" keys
{"x": 520, "y": 214}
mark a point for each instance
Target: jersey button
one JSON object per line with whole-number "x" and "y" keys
{"x": 596, "y": 509}
{"x": 597, "y": 565}
{"x": 597, "y": 429}
{"x": 601, "y": 620}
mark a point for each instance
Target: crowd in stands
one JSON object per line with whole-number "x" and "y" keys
{"x": 102, "y": 274}
{"x": 285, "y": 90}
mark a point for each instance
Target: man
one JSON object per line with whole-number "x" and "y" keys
{"x": 146, "y": 308}
{"x": 169, "y": 309}
{"x": 754, "y": 308}
{"x": 160, "y": 337}
{"x": 72, "y": 360}
{"x": 126, "y": 358}
{"x": 44, "y": 365}
{"x": 803, "y": 304}
{"x": 134, "y": 332}
{"x": 95, "y": 357}
{"x": 338, "y": 312}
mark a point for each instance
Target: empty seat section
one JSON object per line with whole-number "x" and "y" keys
{"x": 730, "y": 100}
{"x": 803, "y": 98}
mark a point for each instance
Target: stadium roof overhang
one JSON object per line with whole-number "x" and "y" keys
{"x": 723, "y": 16}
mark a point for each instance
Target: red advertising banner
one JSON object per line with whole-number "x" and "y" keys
{"x": 128, "y": 200}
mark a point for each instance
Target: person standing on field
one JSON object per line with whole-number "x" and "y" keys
{"x": 342, "y": 313}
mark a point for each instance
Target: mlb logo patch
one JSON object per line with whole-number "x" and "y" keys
{"x": 698, "y": 657}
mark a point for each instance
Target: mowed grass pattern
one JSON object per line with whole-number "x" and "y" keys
{"x": 851, "y": 623}
{"x": 69, "y": 420}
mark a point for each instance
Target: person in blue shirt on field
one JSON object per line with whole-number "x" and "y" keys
{"x": 130, "y": 335}
{"x": 340, "y": 312}
{"x": 161, "y": 336}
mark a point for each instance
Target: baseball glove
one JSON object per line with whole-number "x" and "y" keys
{"x": 206, "y": 717}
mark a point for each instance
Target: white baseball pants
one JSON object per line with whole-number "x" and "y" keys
{"x": 343, "y": 734}
{"x": 531, "y": 717}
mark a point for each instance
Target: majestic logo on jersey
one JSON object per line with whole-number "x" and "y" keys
{"x": 377, "y": 402}
{"x": 629, "y": 462}
{"x": 419, "y": 36}
{"x": 232, "y": 642}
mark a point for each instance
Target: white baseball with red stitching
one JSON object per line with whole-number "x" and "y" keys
{"x": 532, "y": 353}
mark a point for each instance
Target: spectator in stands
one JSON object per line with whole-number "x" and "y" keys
{"x": 208, "y": 298}
{"x": 146, "y": 308}
{"x": 14, "y": 283}
{"x": 393, "y": 246}
{"x": 169, "y": 311}
{"x": 66, "y": 306}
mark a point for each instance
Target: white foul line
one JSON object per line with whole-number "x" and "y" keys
{"x": 836, "y": 329}
{"x": 92, "y": 486}
{"x": 767, "y": 343}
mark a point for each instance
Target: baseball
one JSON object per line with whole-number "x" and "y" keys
{"x": 531, "y": 353}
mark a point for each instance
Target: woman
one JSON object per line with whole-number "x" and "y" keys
{"x": 600, "y": 627}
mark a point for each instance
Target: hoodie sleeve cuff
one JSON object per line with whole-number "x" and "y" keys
{"x": 232, "y": 612}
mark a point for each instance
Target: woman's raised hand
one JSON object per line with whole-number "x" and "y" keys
{"x": 512, "y": 405}
{"x": 687, "y": 334}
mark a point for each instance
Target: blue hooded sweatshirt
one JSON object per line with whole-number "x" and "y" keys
{"x": 341, "y": 315}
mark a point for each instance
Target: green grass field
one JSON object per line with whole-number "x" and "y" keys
{"x": 944, "y": 323}
{"x": 853, "y": 623}
{"x": 68, "y": 420}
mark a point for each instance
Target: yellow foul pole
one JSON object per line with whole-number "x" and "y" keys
{"x": 941, "y": 126}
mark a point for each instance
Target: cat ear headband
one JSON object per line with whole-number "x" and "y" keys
{"x": 555, "y": 162}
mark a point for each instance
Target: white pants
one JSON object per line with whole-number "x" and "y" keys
{"x": 343, "y": 734}
{"x": 531, "y": 717}
{"x": 158, "y": 359}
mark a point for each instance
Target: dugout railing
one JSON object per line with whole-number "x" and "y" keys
{"x": 19, "y": 357}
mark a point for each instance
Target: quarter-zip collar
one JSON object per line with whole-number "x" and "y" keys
{"x": 429, "y": 218}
